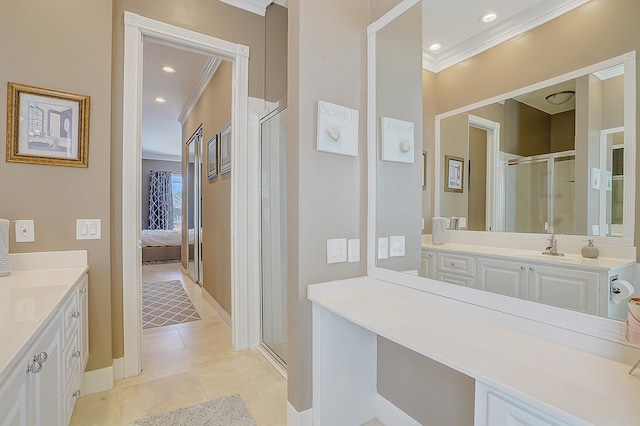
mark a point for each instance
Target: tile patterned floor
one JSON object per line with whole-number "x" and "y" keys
{"x": 166, "y": 303}
{"x": 185, "y": 364}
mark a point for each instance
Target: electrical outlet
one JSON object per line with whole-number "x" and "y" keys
{"x": 25, "y": 231}
{"x": 337, "y": 250}
{"x": 463, "y": 222}
{"x": 396, "y": 246}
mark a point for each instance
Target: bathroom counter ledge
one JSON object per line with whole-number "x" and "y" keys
{"x": 575, "y": 386}
{"x": 28, "y": 300}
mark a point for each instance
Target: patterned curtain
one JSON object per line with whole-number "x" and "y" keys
{"x": 160, "y": 200}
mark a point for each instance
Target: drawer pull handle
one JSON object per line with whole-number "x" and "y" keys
{"x": 35, "y": 367}
{"x": 75, "y": 315}
{"x": 83, "y": 290}
{"x": 76, "y": 394}
{"x": 41, "y": 357}
{"x": 76, "y": 354}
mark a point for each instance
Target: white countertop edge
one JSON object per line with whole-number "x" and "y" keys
{"x": 513, "y": 368}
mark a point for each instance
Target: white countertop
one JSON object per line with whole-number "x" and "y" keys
{"x": 530, "y": 256}
{"x": 28, "y": 299}
{"x": 548, "y": 375}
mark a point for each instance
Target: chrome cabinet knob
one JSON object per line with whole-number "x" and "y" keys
{"x": 35, "y": 367}
{"x": 76, "y": 393}
{"x": 83, "y": 290}
{"x": 75, "y": 315}
{"x": 531, "y": 268}
{"x": 523, "y": 268}
{"x": 41, "y": 357}
{"x": 76, "y": 354}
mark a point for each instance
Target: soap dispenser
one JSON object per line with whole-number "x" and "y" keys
{"x": 590, "y": 251}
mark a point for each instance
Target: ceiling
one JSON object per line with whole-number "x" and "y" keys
{"x": 453, "y": 23}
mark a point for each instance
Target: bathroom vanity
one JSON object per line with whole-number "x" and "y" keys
{"x": 44, "y": 335}
{"x": 568, "y": 281}
{"x": 518, "y": 376}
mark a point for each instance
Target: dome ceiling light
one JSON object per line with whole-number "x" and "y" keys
{"x": 560, "y": 98}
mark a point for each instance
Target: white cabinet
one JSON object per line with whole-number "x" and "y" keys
{"x": 42, "y": 387}
{"x": 427, "y": 264}
{"x": 455, "y": 269}
{"x": 562, "y": 287}
{"x": 494, "y": 408}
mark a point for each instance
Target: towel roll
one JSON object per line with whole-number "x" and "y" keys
{"x": 4, "y": 248}
{"x": 624, "y": 290}
{"x": 439, "y": 228}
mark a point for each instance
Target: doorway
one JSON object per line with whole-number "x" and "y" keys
{"x": 244, "y": 285}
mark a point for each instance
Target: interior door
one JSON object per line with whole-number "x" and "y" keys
{"x": 193, "y": 192}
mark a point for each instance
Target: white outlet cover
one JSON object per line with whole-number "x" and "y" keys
{"x": 462, "y": 222}
{"x": 396, "y": 246}
{"x": 25, "y": 231}
{"x": 383, "y": 248}
{"x": 336, "y": 250}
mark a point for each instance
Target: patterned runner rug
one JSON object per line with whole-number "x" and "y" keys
{"x": 225, "y": 411}
{"x": 166, "y": 303}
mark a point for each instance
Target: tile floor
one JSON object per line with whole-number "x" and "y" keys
{"x": 185, "y": 364}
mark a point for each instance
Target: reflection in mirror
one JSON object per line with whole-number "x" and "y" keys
{"x": 545, "y": 125}
{"x": 539, "y": 138}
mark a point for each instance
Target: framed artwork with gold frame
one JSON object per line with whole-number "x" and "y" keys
{"x": 46, "y": 126}
{"x": 453, "y": 173}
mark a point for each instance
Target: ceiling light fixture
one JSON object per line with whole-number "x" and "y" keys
{"x": 160, "y": 100}
{"x": 489, "y": 17}
{"x": 560, "y": 98}
{"x": 168, "y": 69}
{"x": 435, "y": 47}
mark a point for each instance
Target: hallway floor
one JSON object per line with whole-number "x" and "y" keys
{"x": 185, "y": 364}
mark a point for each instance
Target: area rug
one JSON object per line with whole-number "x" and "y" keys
{"x": 166, "y": 303}
{"x": 160, "y": 262}
{"x": 225, "y": 411}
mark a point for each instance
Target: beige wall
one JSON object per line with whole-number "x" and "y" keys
{"x": 477, "y": 188}
{"x": 563, "y": 131}
{"x": 209, "y": 17}
{"x": 213, "y": 112}
{"x": 275, "y": 53}
{"x": 74, "y": 57}
{"x": 326, "y": 193}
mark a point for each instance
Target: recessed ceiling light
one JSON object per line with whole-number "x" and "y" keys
{"x": 160, "y": 100}
{"x": 489, "y": 17}
{"x": 435, "y": 47}
{"x": 168, "y": 69}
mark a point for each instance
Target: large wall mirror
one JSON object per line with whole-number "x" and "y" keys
{"x": 540, "y": 126}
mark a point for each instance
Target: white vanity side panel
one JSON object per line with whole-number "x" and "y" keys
{"x": 344, "y": 371}
{"x": 573, "y": 385}
{"x": 47, "y": 260}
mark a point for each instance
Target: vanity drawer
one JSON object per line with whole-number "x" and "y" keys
{"x": 456, "y": 263}
{"x": 456, "y": 279}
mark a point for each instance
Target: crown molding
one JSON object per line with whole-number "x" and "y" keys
{"x": 259, "y": 7}
{"x": 533, "y": 17}
{"x": 209, "y": 69}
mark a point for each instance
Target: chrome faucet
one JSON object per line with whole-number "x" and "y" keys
{"x": 552, "y": 248}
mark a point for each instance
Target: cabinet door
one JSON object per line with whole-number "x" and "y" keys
{"x": 456, "y": 264}
{"x": 502, "y": 412}
{"x": 456, "y": 279}
{"x": 502, "y": 277}
{"x": 427, "y": 264}
{"x": 14, "y": 406}
{"x": 46, "y": 385}
{"x": 566, "y": 288}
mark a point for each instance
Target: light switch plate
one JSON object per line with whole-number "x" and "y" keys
{"x": 25, "y": 231}
{"x": 336, "y": 250}
{"x": 88, "y": 229}
{"x": 396, "y": 246}
{"x": 463, "y": 222}
{"x": 595, "y": 230}
{"x": 383, "y": 248}
{"x": 353, "y": 250}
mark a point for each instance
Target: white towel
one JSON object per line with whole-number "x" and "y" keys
{"x": 4, "y": 248}
{"x": 438, "y": 230}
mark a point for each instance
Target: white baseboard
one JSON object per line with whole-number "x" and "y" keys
{"x": 118, "y": 369}
{"x": 215, "y": 305}
{"x": 389, "y": 414}
{"x": 298, "y": 419}
{"x": 98, "y": 380}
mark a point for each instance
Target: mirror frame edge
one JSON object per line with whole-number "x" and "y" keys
{"x": 588, "y": 324}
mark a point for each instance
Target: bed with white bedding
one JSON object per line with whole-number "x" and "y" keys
{"x": 163, "y": 244}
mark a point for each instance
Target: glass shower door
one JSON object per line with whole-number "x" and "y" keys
{"x": 274, "y": 233}
{"x": 527, "y": 196}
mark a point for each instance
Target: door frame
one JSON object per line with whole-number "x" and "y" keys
{"x": 245, "y": 319}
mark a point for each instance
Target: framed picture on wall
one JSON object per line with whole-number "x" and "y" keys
{"x": 225, "y": 149}
{"x": 46, "y": 126}
{"x": 453, "y": 173}
{"x": 212, "y": 157}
